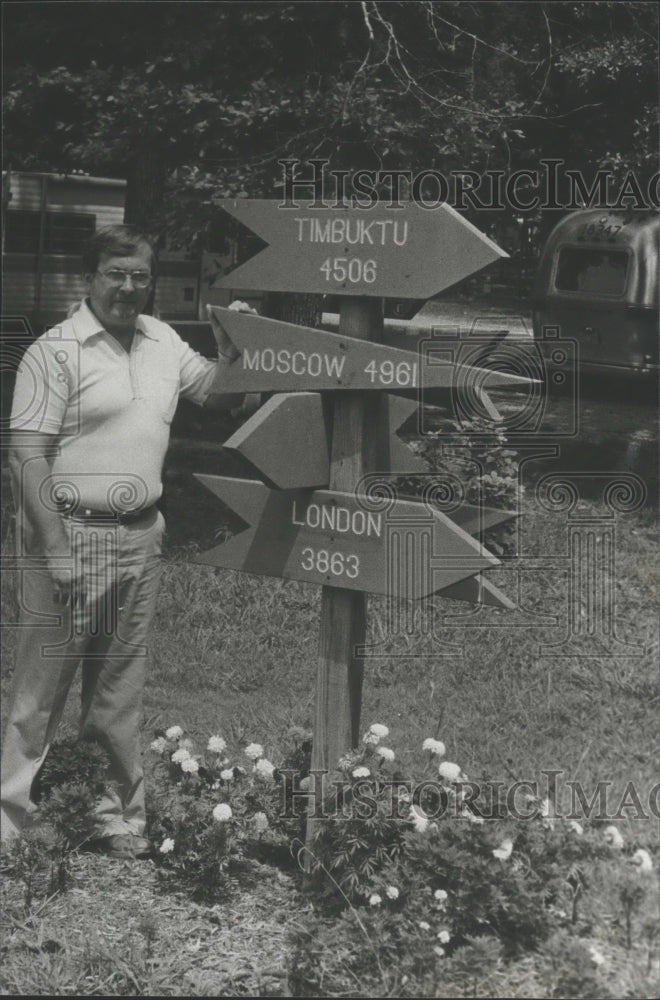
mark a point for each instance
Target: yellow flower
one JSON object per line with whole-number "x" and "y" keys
{"x": 449, "y": 771}
{"x": 612, "y": 837}
{"x": 642, "y": 860}
{"x": 377, "y": 730}
{"x": 503, "y": 852}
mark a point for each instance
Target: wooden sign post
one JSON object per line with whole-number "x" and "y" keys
{"x": 344, "y": 612}
{"x": 349, "y": 418}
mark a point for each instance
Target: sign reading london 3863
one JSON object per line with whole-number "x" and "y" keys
{"x": 333, "y": 538}
{"x": 407, "y": 251}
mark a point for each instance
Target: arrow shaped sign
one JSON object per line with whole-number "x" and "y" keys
{"x": 405, "y": 252}
{"x": 477, "y": 590}
{"x": 272, "y": 356}
{"x": 333, "y": 538}
{"x": 287, "y": 439}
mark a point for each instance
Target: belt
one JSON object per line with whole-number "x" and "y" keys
{"x": 105, "y": 516}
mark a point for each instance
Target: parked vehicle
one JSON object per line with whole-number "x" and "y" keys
{"x": 47, "y": 220}
{"x": 597, "y": 283}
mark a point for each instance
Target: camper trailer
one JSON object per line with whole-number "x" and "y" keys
{"x": 597, "y": 283}
{"x": 47, "y": 220}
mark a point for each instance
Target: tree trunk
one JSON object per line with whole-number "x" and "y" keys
{"x": 145, "y": 195}
{"x": 290, "y": 307}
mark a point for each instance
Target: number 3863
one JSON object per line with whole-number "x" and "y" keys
{"x": 335, "y": 563}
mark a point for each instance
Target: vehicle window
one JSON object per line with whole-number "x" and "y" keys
{"x": 580, "y": 269}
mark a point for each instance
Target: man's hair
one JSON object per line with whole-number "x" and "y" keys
{"x": 116, "y": 241}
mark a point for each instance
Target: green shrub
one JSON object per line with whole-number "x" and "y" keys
{"x": 212, "y": 816}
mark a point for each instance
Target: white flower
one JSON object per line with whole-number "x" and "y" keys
{"x": 264, "y": 769}
{"x": 471, "y": 817}
{"x": 254, "y": 751}
{"x": 216, "y": 744}
{"x": 419, "y": 819}
{"x": 186, "y": 744}
{"x": 504, "y": 850}
{"x": 371, "y": 740}
{"x": 375, "y": 900}
{"x": 174, "y": 732}
{"x": 596, "y": 955}
{"x": 440, "y": 895}
{"x": 547, "y": 814}
{"x": 222, "y": 812}
{"x": 423, "y": 926}
{"x": 180, "y": 755}
{"x": 392, "y": 892}
{"x": 379, "y": 730}
{"x": 159, "y": 744}
{"x": 642, "y": 859}
{"x": 444, "y": 937}
{"x": 361, "y": 772}
{"x": 305, "y": 783}
{"x": 436, "y": 747}
{"x": 449, "y": 771}
{"x": 189, "y": 765}
{"x": 227, "y": 774}
{"x": 167, "y": 846}
{"x": 439, "y": 951}
{"x": 385, "y": 753}
{"x": 260, "y": 822}
{"x": 576, "y": 827}
{"x": 612, "y": 837}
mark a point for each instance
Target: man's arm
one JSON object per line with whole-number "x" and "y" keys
{"x": 241, "y": 404}
{"x": 29, "y": 464}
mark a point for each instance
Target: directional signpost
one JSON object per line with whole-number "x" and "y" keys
{"x": 273, "y": 356}
{"x": 335, "y": 539}
{"x": 289, "y": 438}
{"x": 401, "y": 252}
{"x": 341, "y": 400}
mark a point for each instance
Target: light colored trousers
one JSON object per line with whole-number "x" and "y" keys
{"x": 108, "y": 635}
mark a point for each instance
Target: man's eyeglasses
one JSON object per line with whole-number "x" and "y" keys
{"x": 140, "y": 279}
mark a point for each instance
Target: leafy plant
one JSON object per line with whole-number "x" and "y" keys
{"x": 212, "y": 816}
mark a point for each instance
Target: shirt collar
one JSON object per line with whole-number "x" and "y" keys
{"x": 86, "y": 324}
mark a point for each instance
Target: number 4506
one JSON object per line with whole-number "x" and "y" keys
{"x": 354, "y": 270}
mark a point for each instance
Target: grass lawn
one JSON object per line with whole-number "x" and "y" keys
{"x": 236, "y": 654}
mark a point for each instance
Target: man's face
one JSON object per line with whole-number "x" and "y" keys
{"x": 117, "y": 303}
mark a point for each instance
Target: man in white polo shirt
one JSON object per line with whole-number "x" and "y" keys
{"x": 91, "y": 416}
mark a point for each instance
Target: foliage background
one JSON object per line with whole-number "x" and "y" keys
{"x": 194, "y": 102}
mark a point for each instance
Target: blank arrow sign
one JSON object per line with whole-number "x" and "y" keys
{"x": 287, "y": 440}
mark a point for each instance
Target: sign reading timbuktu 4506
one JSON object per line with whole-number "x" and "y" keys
{"x": 404, "y": 251}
